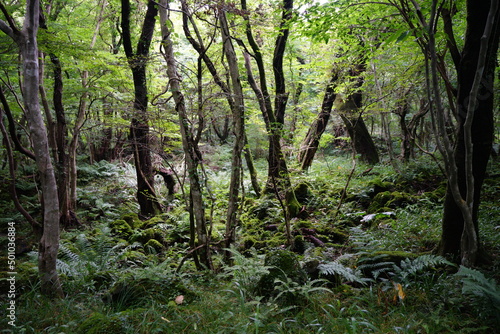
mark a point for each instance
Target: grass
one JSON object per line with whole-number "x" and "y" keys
{"x": 431, "y": 300}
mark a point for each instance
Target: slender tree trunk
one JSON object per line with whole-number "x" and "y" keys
{"x": 26, "y": 39}
{"x": 139, "y": 128}
{"x": 311, "y": 141}
{"x": 238, "y": 129}
{"x": 278, "y": 178}
{"x": 188, "y": 142}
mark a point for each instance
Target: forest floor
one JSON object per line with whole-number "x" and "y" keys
{"x": 363, "y": 258}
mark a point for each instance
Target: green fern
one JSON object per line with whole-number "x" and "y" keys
{"x": 408, "y": 269}
{"x": 484, "y": 291}
{"x": 335, "y": 268}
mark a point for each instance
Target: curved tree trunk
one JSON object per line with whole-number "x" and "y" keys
{"x": 26, "y": 39}
{"x": 278, "y": 179}
{"x": 311, "y": 141}
{"x": 482, "y": 127}
{"x": 238, "y": 129}
{"x": 350, "y": 112}
{"x": 188, "y": 142}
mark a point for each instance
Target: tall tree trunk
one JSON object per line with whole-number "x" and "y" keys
{"x": 479, "y": 55}
{"x": 202, "y": 51}
{"x": 139, "y": 128}
{"x": 311, "y": 141}
{"x": 238, "y": 129}
{"x": 278, "y": 178}
{"x": 26, "y": 39}
{"x": 189, "y": 145}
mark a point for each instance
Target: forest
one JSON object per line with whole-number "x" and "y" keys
{"x": 270, "y": 166}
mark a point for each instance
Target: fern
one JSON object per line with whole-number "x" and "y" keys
{"x": 410, "y": 268}
{"x": 335, "y": 268}
{"x": 485, "y": 291}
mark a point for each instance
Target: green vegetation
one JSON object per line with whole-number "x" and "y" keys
{"x": 325, "y": 166}
{"x": 130, "y": 276}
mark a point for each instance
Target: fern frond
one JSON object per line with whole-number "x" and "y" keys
{"x": 335, "y": 268}
{"x": 477, "y": 285}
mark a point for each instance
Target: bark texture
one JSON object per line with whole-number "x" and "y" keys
{"x": 482, "y": 127}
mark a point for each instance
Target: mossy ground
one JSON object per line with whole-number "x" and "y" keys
{"x": 123, "y": 275}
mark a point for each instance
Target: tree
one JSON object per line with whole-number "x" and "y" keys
{"x": 193, "y": 155}
{"x": 139, "y": 128}
{"x": 238, "y": 130}
{"x": 474, "y": 100}
{"x": 26, "y": 39}
{"x": 465, "y": 160}
{"x": 278, "y": 179}
{"x": 311, "y": 141}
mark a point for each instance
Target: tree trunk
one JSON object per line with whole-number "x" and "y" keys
{"x": 239, "y": 132}
{"x": 139, "y": 128}
{"x": 26, "y": 39}
{"x": 278, "y": 178}
{"x": 482, "y": 127}
{"x": 362, "y": 141}
{"x": 311, "y": 141}
{"x": 192, "y": 153}
{"x": 350, "y": 112}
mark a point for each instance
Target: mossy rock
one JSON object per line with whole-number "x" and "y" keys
{"x": 121, "y": 228}
{"x": 379, "y": 186}
{"x": 132, "y": 257}
{"x": 284, "y": 265}
{"x": 153, "y": 222}
{"x": 122, "y": 322}
{"x": 143, "y": 236}
{"x": 299, "y": 244}
{"x": 302, "y": 192}
{"x": 437, "y": 195}
{"x": 153, "y": 246}
{"x": 132, "y": 219}
{"x": 302, "y": 224}
{"x": 292, "y": 204}
{"x": 389, "y": 200}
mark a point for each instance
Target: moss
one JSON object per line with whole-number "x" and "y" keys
{"x": 132, "y": 257}
{"x": 284, "y": 265}
{"x": 302, "y": 192}
{"x": 143, "y": 236}
{"x": 132, "y": 219}
{"x": 303, "y": 224}
{"x": 121, "y": 228}
{"x": 292, "y": 204}
{"x": 153, "y": 244}
{"x": 160, "y": 219}
{"x": 389, "y": 200}
{"x": 299, "y": 245}
{"x": 379, "y": 186}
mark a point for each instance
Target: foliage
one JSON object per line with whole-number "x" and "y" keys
{"x": 484, "y": 292}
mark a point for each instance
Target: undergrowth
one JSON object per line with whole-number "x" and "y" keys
{"x": 359, "y": 271}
